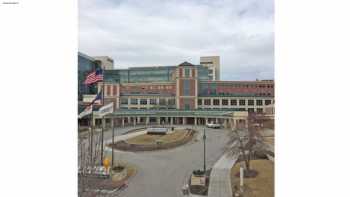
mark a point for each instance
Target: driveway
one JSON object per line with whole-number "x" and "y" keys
{"x": 163, "y": 173}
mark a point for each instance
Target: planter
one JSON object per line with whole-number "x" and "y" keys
{"x": 119, "y": 173}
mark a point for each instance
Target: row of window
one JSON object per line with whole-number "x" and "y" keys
{"x": 241, "y": 102}
{"x": 136, "y": 101}
{"x": 152, "y": 87}
{"x": 259, "y": 110}
{"x": 237, "y": 85}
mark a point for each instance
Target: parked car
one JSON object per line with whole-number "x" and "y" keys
{"x": 214, "y": 125}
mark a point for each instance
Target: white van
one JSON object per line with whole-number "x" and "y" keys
{"x": 214, "y": 125}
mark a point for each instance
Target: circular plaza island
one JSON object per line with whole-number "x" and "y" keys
{"x": 156, "y": 138}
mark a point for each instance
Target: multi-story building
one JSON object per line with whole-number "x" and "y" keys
{"x": 182, "y": 94}
{"x": 213, "y": 65}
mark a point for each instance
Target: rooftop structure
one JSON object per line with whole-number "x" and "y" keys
{"x": 213, "y": 65}
{"x": 106, "y": 62}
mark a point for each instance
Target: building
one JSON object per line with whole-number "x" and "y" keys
{"x": 181, "y": 94}
{"x": 106, "y": 62}
{"x": 213, "y": 65}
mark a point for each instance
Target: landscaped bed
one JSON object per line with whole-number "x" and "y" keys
{"x": 260, "y": 186}
{"x": 200, "y": 189}
{"x": 93, "y": 184}
{"x": 149, "y": 142}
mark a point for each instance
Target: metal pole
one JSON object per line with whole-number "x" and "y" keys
{"x": 103, "y": 125}
{"x": 103, "y": 120}
{"x": 91, "y": 136}
{"x": 204, "y": 138}
{"x": 112, "y": 142}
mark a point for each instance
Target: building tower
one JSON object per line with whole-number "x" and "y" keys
{"x": 107, "y": 63}
{"x": 213, "y": 65}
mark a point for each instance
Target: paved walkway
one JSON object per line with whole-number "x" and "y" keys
{"x": 220, "y": 177}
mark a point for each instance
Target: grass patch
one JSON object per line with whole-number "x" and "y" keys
{"x": 152, "y": 139}
{"x": 260, "y": 186}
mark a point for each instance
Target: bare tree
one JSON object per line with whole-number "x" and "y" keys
{"x": 246, "y": 142}
{"x": 88, "y": 157}
{"x": 83, "y": 162}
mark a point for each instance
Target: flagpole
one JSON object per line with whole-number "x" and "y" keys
{"x": 91, "y": 133}
{"x": 103, "y": 119}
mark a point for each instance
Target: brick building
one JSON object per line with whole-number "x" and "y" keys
{"x": 182, "y": 94}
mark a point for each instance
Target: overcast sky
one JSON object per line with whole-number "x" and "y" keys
{"x": 159, "y": 32}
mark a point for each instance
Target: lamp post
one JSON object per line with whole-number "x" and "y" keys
{"x": 204, "y": 138}
{"x": 112, "y": 143}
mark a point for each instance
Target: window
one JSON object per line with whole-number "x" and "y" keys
{"x": 187, "y": 72}
{"x": 259, "y": 110}
{"x": 241, "y": 102}
{"x": 162, "y": 102}
{"x": 216, "y": 102}
{"x": 143, "y": 101}
{"x": 171, "y": 102}
{"x": 207, "y": 102}
{"x": 187, "y": 104}
{"x": 133, "y": 101}
{"x": 233, "y": 102}
{"x": 186, "y": 88}
{"x": 224, "y": 102}
{"x": 124, "y": 101}
{"x": 199, "y": 101}
{"x": 108, "y": 90}
{"x": 267, "y": 102}
{"x": 250, "y": 102}
{"x": 259, "y": 102}
{"x": 153, "y": 101}
{"x": 250, "y": 109}
{"x": 114, "y": 90}
{"x": 210, "y": 71}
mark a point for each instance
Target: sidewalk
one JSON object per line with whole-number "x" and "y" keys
{"x": 220, "y": 177}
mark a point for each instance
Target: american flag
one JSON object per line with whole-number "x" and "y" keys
{"x": 94, "y": 77}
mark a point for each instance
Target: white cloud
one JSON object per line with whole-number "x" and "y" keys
{"x": 146, "y": 33}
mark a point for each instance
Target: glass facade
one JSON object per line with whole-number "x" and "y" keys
{"x": 203, "y": 73}
{"x": 86, "y": 65}
{"x": 186, "y": 87}
{"x": 142, "y": 74}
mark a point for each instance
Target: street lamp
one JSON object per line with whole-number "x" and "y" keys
{"x": 204, "y": 138}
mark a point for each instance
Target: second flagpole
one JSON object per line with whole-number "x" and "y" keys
{"x": 103, "y": 120}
